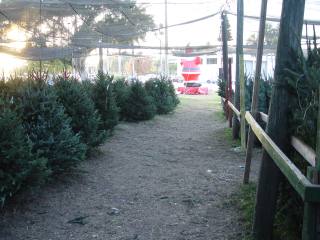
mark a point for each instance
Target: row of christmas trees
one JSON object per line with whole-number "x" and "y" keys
{"x": 46, "y": 129}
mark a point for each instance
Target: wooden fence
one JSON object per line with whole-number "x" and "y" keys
{"x": 303, "y": 185}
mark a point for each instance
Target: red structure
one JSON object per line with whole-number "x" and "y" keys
{"x": 191, "y": 69}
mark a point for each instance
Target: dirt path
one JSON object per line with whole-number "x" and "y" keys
{"x": 166, "y": 179}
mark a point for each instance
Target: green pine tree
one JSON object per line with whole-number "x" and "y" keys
{"x": 139, "y": 105}
{"x": 121, "y": 91}
{"x": 48, "y": 127}
{"x": 104, "y": 100}
{"x": 85, "y": 119}
{"x": 18, "y": 166}
{"x": 163, "y": 94}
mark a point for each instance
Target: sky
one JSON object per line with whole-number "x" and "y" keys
{"x": 207, "y": 31}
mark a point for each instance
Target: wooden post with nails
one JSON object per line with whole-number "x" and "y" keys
{"x": 256, "y": 85}
{"x": 277, "y": 128}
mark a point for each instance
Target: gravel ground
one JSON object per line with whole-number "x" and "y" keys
{"x": 165, "y": 179}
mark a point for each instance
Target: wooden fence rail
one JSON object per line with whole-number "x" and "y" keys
{"x": 303, "y": 185}
{"x": 302, "y": 148}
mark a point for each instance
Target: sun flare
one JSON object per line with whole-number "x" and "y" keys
{"x": 17, "y": 36}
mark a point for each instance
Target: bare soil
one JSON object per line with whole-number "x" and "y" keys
{"x": 166, "y": 179}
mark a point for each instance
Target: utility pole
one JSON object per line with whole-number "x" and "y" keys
{"x": 239, "y": 50}
{"x": 277, "y": 128}
{"x": 166, "y": 68}
{"x": 225, "y": 58}
{"x": 119, "y": 63}
{"x": 256, "y": 85}
{"x": 100, "y": 56}
{"x": 133, "y": 66}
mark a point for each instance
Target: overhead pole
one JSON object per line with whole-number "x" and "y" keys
{"x": 256, "y": 87}
{"x": 277, "y": 127}
{"x": 166, "y": 37}
{"x": 239, "y": 50}
{"x": 225, "y": 59}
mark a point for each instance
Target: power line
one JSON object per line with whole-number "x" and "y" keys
{"x": 275, "y": 19}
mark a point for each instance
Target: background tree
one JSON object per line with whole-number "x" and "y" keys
{"x": 84, "y": 25}
{"x": 271, "y": 36}
{"x": 229, "y": 36}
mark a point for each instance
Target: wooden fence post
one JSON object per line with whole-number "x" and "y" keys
{"x": 225, "y": 59}
{"x": 230, "y": 113}
{"x": 239, "y": 50}
{"x": 277, "y": 127}
{"x": 242, "y": 103}
{"x": 255, "y": 95}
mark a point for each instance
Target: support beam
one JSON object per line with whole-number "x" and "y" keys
{"x": 277, "y": 127}
{"x": 256, "y": 86}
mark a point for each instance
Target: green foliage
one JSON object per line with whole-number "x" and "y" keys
{"x": 104, "y": 99}
{"x": 48, "y": 127}
{"x": 229, "y": 35}
{"x": 18, "y": 165}
{"x": 85, "y": 119}
{"x": 139, "y": 105}
{"x": 264, "y": 93}
{"x": 121, "y": 91}
{"x": 163, "y": 93}
{"x": 271, "y": 36}
{"x": 246, "y": 200}
{"x": 303, "y": 86}
{"x": 221, "y": 87}
{"x": 288, "y": 219}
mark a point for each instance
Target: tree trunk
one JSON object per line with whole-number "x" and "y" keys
{"x": 277, "y": 127}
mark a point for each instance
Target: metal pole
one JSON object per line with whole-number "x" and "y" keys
{"x": 256, "y": 85}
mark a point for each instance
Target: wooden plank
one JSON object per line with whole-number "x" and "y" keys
{"x": 306, "y": 152}
{"x": 297, "y": 180}
{"x": 234, "y": 109}
{"x": 264, "y": 117}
